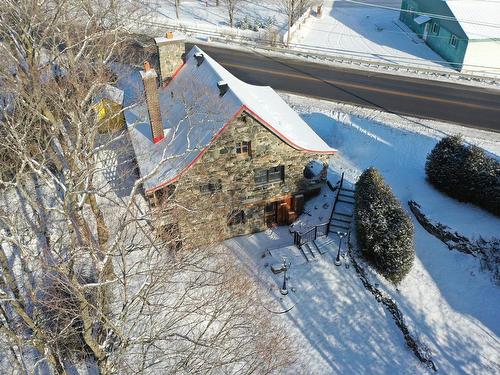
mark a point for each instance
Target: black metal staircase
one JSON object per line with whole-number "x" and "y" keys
{"x": 339, "y": 222}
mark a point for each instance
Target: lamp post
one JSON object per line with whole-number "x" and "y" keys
{"x": 284, "y": 290}
{"x": 337, "y": 259}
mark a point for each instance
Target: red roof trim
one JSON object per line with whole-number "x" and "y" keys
{"x": 280, "y": 135}
{"x": 177, "y": 71}
{"x": 202, "y": 152}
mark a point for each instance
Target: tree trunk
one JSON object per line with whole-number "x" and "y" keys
{"x": 288, "y": 32}
{"x": 102, "y": 228}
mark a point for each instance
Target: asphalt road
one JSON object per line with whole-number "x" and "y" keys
{"x": 470, "y": 106}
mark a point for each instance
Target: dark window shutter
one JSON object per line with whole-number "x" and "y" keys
{"x": 298, "y": 204}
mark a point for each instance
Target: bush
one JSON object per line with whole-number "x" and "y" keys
{"x": 465, "y": 173}
{"x": 385, "y": 231}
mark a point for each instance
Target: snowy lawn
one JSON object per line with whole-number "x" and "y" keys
{"x": 338, "y": 326}
{"x": 201, "y": 13}
{"x": 366, "y": 32}
{"x": 449, "y": 303}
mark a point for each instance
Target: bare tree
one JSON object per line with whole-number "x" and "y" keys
{"x": 86, "y": 280}
{"x": 177, "y": 8}
{"x": 293, "y": 10}
{"x": 231, "y": 6}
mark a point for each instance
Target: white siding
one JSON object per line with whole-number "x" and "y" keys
{"x": 482, "y": 56}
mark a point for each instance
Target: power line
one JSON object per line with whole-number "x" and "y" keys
{"x": 359, "y": 55}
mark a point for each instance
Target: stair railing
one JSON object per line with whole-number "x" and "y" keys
{"x": 319, "y": 230}
{"x": 335, "y": 201}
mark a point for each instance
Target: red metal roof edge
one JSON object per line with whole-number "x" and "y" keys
{"x": 216, "y": 136}
{"x": 219, "y": 133}
{"x": 285, "y": 139}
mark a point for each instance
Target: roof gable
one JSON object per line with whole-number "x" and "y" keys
{"x": 440, "y": 8}
{"x": 194, "y": 113}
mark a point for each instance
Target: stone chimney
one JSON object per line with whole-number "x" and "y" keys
{"x": 171, "y": 51}
{"x": 153, "y": 101}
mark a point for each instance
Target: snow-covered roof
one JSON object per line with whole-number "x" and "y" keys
{"x": 194, "y": 114}
{"x": 480, "y": 19}
{"x": 422, "y": 19}
{"x": 111, "y": 93}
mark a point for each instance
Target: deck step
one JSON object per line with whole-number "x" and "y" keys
{"x": 342, "y": 220}
{"x": 346, "y": 189}
{"x": 344, "y": 201}
{"x": 308, "y": 247}
{"x": 318, "y": 249}
{"x": 340, "y": 226}
{"x": 345, "y": 195}
{"x": 301, "y": 248}
{"x": 342, "y": 214}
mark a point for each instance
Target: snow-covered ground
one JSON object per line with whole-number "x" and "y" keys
{"x": 450, "y": 305}
{"x": 361, "y": 37}
{"x": 338, "y": 326}
{"x": 206, "y": 14}
{"x": 366, "y": 32}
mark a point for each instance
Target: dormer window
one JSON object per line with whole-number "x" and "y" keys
{"x": 243, "y": 148}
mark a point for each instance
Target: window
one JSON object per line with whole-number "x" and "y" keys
{"x": 236, "y": 217}
{"x": 453, "y": 40}
{"x": 211, "y": 187}
{"x": 435, "y": 28}
{"x": 243, "y": 148}
{"x": 260, "y": 177}
{"x": 266, "y": 176}
{"x": 271, "y": 213}
{"x": 276, "y": 174}
{"x": 270, "y": 208}
{"x": 160, "y": 196}
{"x": 172, "y": 235}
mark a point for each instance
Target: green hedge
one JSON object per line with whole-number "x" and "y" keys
{"x": 384, "y": 230}
{"x": 465, "y": 173}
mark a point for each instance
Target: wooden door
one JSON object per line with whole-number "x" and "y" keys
{"x": 271, "y": 213}
{"x": 283, "y": 214}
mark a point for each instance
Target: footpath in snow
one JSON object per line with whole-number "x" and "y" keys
{"x": 449, "y": 303}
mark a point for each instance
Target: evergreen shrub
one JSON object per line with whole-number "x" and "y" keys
{"x": 465, "y": 173}
{"x": 384, "y": 230}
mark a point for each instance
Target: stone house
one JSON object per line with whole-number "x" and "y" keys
{"x": 219, "y": 157}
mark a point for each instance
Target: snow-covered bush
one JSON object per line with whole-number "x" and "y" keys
{"x": 255, "y": 24}
{"x": 465, "y": 173}
{"x": 385, "y": 231}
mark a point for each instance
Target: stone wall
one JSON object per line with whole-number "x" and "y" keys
{"x": 203, "y": 217}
